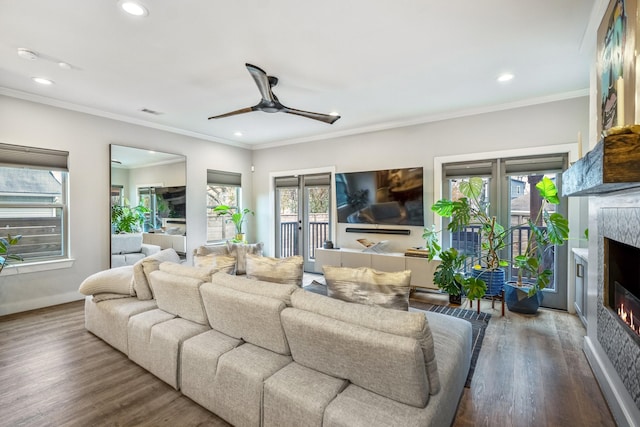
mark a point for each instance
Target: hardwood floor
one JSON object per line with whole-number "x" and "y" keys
{"x": 531, "y": 372}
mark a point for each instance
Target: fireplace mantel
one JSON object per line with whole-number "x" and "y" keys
{"x": 612, "y": 165}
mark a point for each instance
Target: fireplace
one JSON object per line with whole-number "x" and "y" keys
{"x": 622, "y": 284}
{"x": 619, "y": 293}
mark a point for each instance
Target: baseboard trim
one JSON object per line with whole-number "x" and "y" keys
{"x": 620, "y": 403}
{"x": 35, "y": 303}
{"x": 402, "y": 231}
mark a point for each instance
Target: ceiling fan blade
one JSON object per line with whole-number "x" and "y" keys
{"x": 262, "y": 81}
{"x": 308, "y": 114}
{"x": 233, "y": 113}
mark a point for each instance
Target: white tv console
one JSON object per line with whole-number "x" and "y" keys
{"x": 421, "y": 268}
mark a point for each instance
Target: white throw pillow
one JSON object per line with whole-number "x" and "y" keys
{"x": 114, "y": 281}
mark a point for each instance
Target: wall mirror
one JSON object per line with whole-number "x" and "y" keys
{"x": 148, "y": 204}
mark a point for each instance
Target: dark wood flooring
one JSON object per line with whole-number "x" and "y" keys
{"x": 531, "y": 372}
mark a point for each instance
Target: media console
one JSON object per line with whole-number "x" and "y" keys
{"x": 421, "y": 268}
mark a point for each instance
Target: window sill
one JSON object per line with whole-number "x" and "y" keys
{"x": 34, "y": 267}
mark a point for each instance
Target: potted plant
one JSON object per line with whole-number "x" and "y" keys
{"x": 237, "y": 217}
{"x": 449, "y": 274}
{"x": 5, "y": 250}
{"x": 125, "y": 219}
{"x": 471, "y": 210}
{"x": 545, "y": 231}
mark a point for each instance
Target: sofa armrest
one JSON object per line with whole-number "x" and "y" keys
{"x": 149, "y": 249}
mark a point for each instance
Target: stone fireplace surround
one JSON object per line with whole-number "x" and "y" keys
{"x": 613, "y": 353}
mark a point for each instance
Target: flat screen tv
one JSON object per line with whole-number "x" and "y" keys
{"x": 386, "y": 197}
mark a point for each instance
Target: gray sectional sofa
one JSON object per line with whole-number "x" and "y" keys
{"x": 267, "y": 354}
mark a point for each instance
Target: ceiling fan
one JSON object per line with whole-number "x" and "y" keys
{"x": 270, "y": 103}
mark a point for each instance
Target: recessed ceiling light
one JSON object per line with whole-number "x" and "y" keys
{"x": 64, "y": 65}
{"x": 134, "y": 8}
{"x": 27, "y": 54}
{"x": 42, "y": 81}
{"x": 237, "y": 133}
{"x": 505, "y": 77}
{"x": 334, "y": 113}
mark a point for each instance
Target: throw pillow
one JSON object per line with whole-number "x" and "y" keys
{"x": 240, "y": 251}
{"x": 143, "y": 268}
{"x": 278, "y": 270}
{"x": 226, "y": 263}
{"x": 114, "y": 281}
{"x": 214, "y": 249}
{"x": 368, "y": 286}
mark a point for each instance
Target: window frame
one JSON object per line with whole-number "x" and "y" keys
{"x": 33, "y": 158}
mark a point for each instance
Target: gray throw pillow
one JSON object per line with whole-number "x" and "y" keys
{"x": 240, "y": 251}
{"x": 277, "y": 270}
{"x": 365, "y": 285}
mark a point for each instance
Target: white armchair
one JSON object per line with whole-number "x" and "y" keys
{"x": 127, "y": 249}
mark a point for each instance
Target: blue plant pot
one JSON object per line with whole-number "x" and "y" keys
{"x": 519, "y": 301}
{"x": 493, "y": 278}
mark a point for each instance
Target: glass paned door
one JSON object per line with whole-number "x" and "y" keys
{"x": 523, "y": 205}
{"x": 302, "y": 216}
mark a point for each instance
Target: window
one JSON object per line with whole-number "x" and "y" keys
{"x": 33, "y": 201}
{"x": 223, "y": 188}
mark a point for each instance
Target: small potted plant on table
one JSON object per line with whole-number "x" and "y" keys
{"x": 236, "y": 216}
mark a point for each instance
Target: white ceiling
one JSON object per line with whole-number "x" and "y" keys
{"x": 380, "y": 64}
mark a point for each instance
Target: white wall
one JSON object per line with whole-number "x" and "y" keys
{"x": 540, "y": 125}
{"x": 87, "y": 140}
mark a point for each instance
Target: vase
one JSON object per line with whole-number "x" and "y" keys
{"x": 519, "y": 301}
{"x": 240, "y": 237}
{"x": 493, "y": 278}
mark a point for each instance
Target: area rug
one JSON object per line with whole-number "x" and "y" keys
{"x": 479, "y": 322}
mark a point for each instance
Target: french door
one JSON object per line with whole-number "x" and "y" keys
{"x": 303, "y": 215}
{"x": 512, "y": 198}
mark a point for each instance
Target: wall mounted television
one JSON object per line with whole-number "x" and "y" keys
{"x": 386, "y": 197}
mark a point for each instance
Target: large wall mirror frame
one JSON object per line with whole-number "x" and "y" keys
{"x": 148, "y": 203}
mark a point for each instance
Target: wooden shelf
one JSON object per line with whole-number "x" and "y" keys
{"x": 612, "y": 165}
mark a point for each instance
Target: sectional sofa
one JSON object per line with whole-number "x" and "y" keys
{"x": 258, "y": 353}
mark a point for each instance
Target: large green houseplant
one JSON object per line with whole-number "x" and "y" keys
{"x": 449, "y": 276}
{"x": 126, "y": 219}
{"x": 236, "y": 216}
{"x": 5, "y": 250}
{"x": 546, "y": 229}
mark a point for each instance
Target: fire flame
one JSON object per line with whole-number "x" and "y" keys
{"x": 627, "y": 317}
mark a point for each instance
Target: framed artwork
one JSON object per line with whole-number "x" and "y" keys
{"x": 616, "y": 81}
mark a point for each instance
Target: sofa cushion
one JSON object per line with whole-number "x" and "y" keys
{"x": 240, "y": 251}
{"x": 239, "y": 383}
{"x": 256, "y": 287}
{"x": 126, "y": 243}
{"x": 278, "y": 270}
{"x": 143, "y": 268}
{"x": 253, "y": 318}
{"x": 115, "y": 281}
{"x": 178, "y": 295}
{"x": 408, "y": 324}
{"x": 298, "y": 396}
{"x": 108, "y": 319}
{"x": 387, "y": 364}
{"x": 365, "y": 285}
